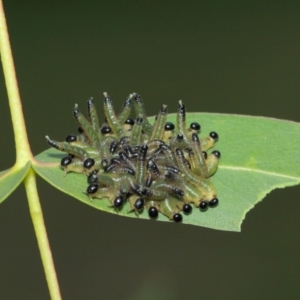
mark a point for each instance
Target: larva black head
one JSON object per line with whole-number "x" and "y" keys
{"x": 92, "y": 189}
{"x": 105, "y": 129}
{"x": 153, "y": 212}
{"x": 71, "y": 138}
{"x": 203, "y": 205}
{"x": 204, "y": 154}
{"x": 195, "y": 126}
{"x": 213, "y": 202}
{"x": 178, "y": 192}
{"x": 216, "y": 153}
{"x": 169, "y": 126}
{"x": 88, "y": 163}
{"x": 118, "y": 202}
{"x": 187, "y": 208}
{"x": 129, "y": 121}
{"x": 66, "y": 161}
{"x": 214, "y": 135}
{"x": 139, "y": 204}
{"x": 177, "y": 217}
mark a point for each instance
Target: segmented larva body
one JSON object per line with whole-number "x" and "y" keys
{"x": 161, "y": 167}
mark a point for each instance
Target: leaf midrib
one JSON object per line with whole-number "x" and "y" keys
{"x": 258, "y": 171}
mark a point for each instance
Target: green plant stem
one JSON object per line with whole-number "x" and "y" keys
{"x": 23, "y": 152}
{"x": 23, "y": 155}
{"x": 41, "y": 234}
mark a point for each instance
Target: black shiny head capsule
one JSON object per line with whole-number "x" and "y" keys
{"x": 177, "y": 217}
{"x": 180, "y": 137}
{"x": 118, "y": 202}
{"x": 204, "y": 154}
{"x": 129, "y": 121}
{"x": 71, "y": 138}
{"x": 153, "y": 212}
{"x": 213, "y": 202}
{"x": 66, "y": 161}
{"x": 105, "y": 129}
{"x": 139, "y": 203}
{"x": 195, "y": 126}
{"x": 92, "y": 188}
{"x": 187, "y": 208}
{"x": 203, "y": 205}
{"x": 88, "y": 163}
{"x": 216, "y": 153}
{"x": 169, "y": 126}
{"x": 214, "y": 135}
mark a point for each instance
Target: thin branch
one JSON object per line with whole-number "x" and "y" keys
{"x": 23, "y": 155}
{"x": 41, "y": 234}
{"x": 21, "y": 140}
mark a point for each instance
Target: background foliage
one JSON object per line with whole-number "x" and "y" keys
{"x": 229, "y": 58}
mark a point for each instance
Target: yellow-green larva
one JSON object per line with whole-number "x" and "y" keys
{"x": 162, "y": 168}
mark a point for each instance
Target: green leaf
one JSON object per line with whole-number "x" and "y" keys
{"x": 258, "y": 155}
{"x": 10, "y": 179}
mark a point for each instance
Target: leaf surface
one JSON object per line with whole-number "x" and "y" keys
{"x": 10, "y": 179}
{"x": 258, "y": 155}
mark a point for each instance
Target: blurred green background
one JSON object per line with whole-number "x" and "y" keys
{"x": 238, "y": 57}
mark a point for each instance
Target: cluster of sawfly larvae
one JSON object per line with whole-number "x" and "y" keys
{"x": 162, "y": 167}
